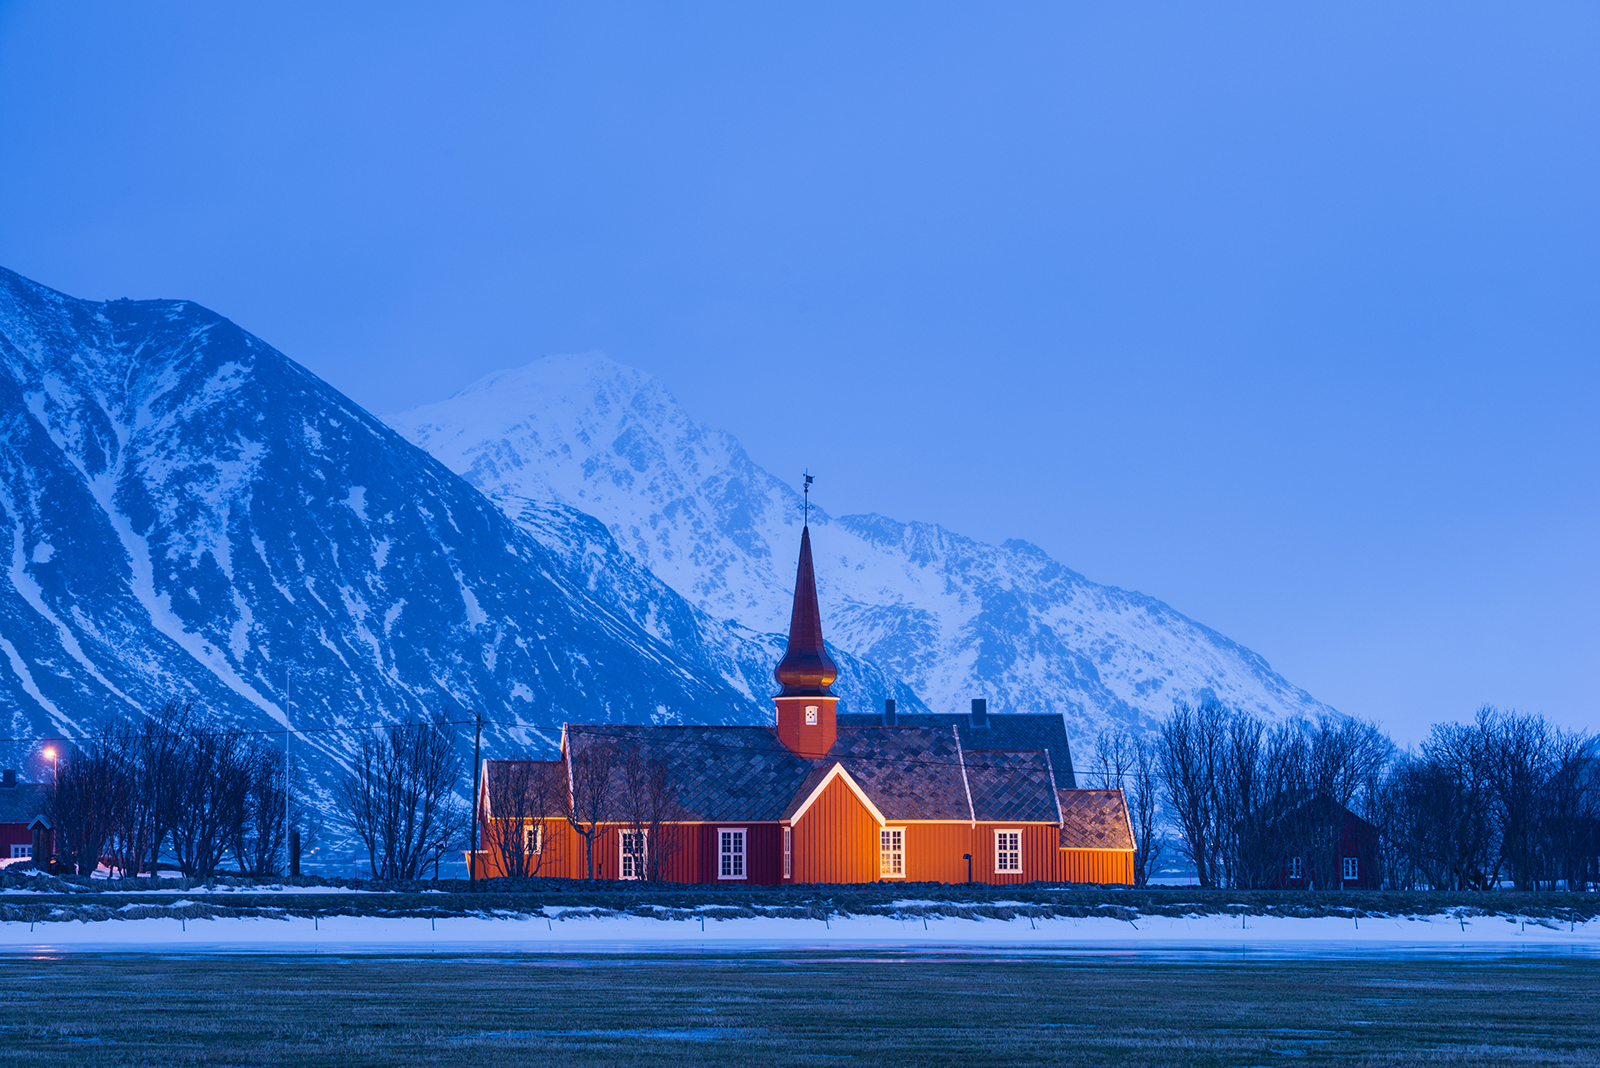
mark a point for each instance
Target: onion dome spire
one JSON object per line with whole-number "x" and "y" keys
{"x": 806, "y": 670}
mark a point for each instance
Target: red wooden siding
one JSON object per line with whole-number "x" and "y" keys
{"x": 1041, "y": 846}
{"x": 690, "y": 854}
{"x": 934, "y": 852}
{"x": 1097, "y": 866}
{"x": 835, "y": 840}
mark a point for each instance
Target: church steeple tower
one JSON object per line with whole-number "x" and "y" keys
{"x": 806, "y": 706}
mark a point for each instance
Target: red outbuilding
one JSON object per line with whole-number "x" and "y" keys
{"x": 21, "y": 803}
{"x": 1318, "y": 844}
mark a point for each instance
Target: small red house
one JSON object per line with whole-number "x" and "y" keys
{"x": 807, "y": 800}
{"x": 1321, "y": 845}
{"x": 20, "y": 804}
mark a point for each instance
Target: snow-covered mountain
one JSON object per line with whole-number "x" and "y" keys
{"x": 193, "y": 515}
{"x": 954, "y": 617}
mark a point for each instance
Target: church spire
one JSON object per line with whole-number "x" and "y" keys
{"x": 807, "y": 723}
{"x": 806, "y": 670}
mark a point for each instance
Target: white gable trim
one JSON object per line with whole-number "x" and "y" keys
{"x": 837, "y": 772}
{"x": 961, "y": 758}
{"x": 483, "y": 785}
{"x": 1055, "y": 794}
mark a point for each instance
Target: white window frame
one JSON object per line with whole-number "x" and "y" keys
{"x": 888, "y": 856}
{"x": 22, "y": 852}
{"x": 533, "y": 840}
{"x": 641, "y": 865}
{"x": 728, "y": 861}
{"x": 1297, "y": 868}
{"x": 788, "y": 853}
{"x": 1350, "y": 869}
{"x": 1002, "y": 853}
{"x": 812, "y": 713}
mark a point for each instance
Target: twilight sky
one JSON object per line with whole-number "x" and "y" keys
{"x": 1288, "y": 315}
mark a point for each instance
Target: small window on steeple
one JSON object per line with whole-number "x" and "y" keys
{"x": 811, "y": 715}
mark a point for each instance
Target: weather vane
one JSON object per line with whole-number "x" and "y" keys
{"x": 807, "y": 521}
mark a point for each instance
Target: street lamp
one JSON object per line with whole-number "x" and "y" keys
{"x": 55, "y": 765}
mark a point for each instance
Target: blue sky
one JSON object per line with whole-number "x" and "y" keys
{"x": 1285, "y": 314}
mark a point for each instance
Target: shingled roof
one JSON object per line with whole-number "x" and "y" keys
{"x": 910, "y": 773}
{"x": 718, "y": 773}
{"x": 1017, "y": 732}
{"x": 22, "y": 802}
{"x": 1011, "y": 786}
{"x": 746, "y": 773}
{"x": 1094, "y": 819}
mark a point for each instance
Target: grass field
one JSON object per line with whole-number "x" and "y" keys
{"x": 794, "y": 1009}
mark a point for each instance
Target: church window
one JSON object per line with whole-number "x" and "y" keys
{"x": 892, "y": 853}
{"x": 788, "y": 852}
{"x": 633, "y": 854}
{"x": 1008, "y": 852}
{"x": 730, "y": 853}
{"x": 533, "y": 839}
{"x": 811, "y": 715}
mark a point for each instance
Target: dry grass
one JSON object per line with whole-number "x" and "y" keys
{"x": 793, "y": 1009}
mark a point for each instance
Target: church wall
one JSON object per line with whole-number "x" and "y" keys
{"x": 1041, "y": 846}
{"x": 934, "y": 852}
{"x": 836, "y": 841}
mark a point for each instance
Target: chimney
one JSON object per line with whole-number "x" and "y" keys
{"x": 980, "y": 712}
{"x": 8, "y": 778}
{"x": 888, "y": 712}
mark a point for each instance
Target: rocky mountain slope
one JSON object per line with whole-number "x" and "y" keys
{"x": 954, "y": 617}
{"x": 192, "y": 515}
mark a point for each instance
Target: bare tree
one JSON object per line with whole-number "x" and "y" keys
{"x": 1189, "y": 752}
{"x": 399, "y": 797}
{"x": 589, "y": 766}
{"x": 259, "y": 840}
{"x": 1572, "y": 824}
{"x": 1452, "y": 799}
{"x": 648, "y": 796}
{"x": 89, "y": 795}
{"x": 1519, "y": 757}
{"x": 155, "y": 778}
{"x": 634, "y": 778}
{"x": 1126, "y": 762}
{"x": 1114, "y": 757}
{"x": 1142, "y": 797}
{"x": 521, "y": 795}
{"x": 662, "y": 812}
{"x": 211, "y": 801}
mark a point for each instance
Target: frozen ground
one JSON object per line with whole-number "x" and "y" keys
{"x": 579, "y": 930}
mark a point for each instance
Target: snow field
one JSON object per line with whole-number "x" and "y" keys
{"x": 560, "y": 929}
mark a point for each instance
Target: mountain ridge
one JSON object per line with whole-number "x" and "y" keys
{"x": 952, "y": 616}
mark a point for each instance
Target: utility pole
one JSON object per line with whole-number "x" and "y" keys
{"x": 477, "y": 770}
{"x": 291, "y": 836}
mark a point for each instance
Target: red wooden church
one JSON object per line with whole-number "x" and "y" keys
{"x": 807, "y": 800}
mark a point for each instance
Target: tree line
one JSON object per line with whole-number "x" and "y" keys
{"x": 167, "y": 791}
{"x": 1506, "y": 797}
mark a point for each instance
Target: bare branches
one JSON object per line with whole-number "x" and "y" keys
{"x": 1189, "y": 751}
{"x": 1126, "y": 762}
{"x": 399, "y": 797}
{"x": 522, "y": 795}
{"x": 589, "y": 763}
{"x": 90, "y": 796}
